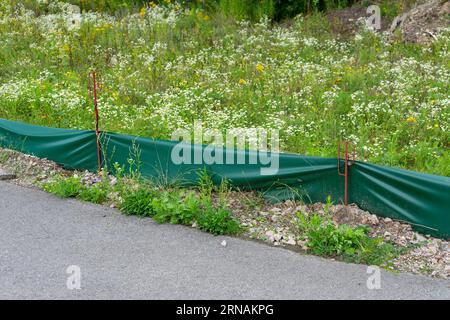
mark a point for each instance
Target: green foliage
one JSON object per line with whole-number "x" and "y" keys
{"x": 64, "y": 187}
{"x": 175, "y": 207}
{"x": 180, "y": 207}
{"x": 112, "y": 6}
{"x": 290, "y": 8}
{"x": 247, "y": 9}
{"x": 351, "y": 243}
{"x": 375, "y": 92}
{"x": 134, "y": 161}
{"x": 217, "y": 221}
{"x": 138, "y": 202}
{"x": 205, "y": 183}
{"x": 71, "y": 187}
{"x": 97, "y": 193}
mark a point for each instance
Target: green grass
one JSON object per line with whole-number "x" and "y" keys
{"x": 96, "y": 194}
{"x": 178, "y": 206}
{"x": 352, "y": 244}
{"x": 168, "y": 67}
{"x": 64, "y": 187}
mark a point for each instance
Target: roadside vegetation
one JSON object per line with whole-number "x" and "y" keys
{"x": 164, "y": 205}
{"x": 207, "y": 208}
{"x": 328, "y": 230}
{"x": 231, "y": 64}
{"x": 164, "y": 64}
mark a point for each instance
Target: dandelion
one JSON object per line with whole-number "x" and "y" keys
{"x": 411, "y": 119}
{"x": 260, "y": 67}
{"x": 242, "y": 81}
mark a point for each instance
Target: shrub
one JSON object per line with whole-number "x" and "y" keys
{"x": 96, "y": 194}
{"x": 217, "y": 221}
{"x": 351, "y": 243}
{"x": 138, "y": 202}
{"x": 64, "y": 187}
{"x": 247, "y": 9}
{"x": 174, "y": 207}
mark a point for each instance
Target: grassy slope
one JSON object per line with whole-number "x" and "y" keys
{"x": 165, "y": 67}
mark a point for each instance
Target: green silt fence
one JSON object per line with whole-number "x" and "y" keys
{"x": 420, "y": 199}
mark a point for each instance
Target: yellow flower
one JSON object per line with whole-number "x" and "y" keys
{"x": 260, "y": 67}
{"x": 206, "y": 18}
{"x": 411, "y": 119}
{"x": 167, "y": 1}
{"x": 242, "y": 81}
{"x": 338, "y": 80}
{"x": 142, "y": 12}
{"x": 152, "y": 4}
{"x": 66, "y": 47}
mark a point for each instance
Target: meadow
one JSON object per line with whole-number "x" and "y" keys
{"x": 165, "y": 65}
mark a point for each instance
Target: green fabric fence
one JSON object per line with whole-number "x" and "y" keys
{"x": 420, "y": 199}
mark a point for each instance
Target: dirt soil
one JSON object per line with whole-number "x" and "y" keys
{"x": 420, "y": 24}
{"x": 348, "y": 21}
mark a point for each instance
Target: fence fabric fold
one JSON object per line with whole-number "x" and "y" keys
{"x": 417, "y": 198}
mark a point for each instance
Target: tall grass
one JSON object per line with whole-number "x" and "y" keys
{"x": 390, "y": 99}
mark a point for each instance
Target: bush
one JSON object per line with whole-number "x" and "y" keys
{"x": 351, "y": 243}
{"x": 174, "y": 207}
{"x": 64, "y": 187}
{"x": 217, "y": 221}
{"x": 178, "y": 207}
{"x": 138, "y": 202}
{"x": 247, "y": 9}
{"x": 96, "y": 194}
{"x": 290, "y": 8}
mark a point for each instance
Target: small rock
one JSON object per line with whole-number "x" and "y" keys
{"x": 291, "y": 242}
{"x": 387, "y": 220}
{"x": 433, "y": 249}
{"x": 4, "y": 175}
{"x": 224, "y": 243}
{"x": 269, "y": 233}
{"x": 278, "y": 237}
{"x": 302, "y": 244}
{"x": 373, "y": 219}
{"x": 420, "y": 238}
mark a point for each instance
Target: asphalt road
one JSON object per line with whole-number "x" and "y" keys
{"x": 123, "y": 257}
